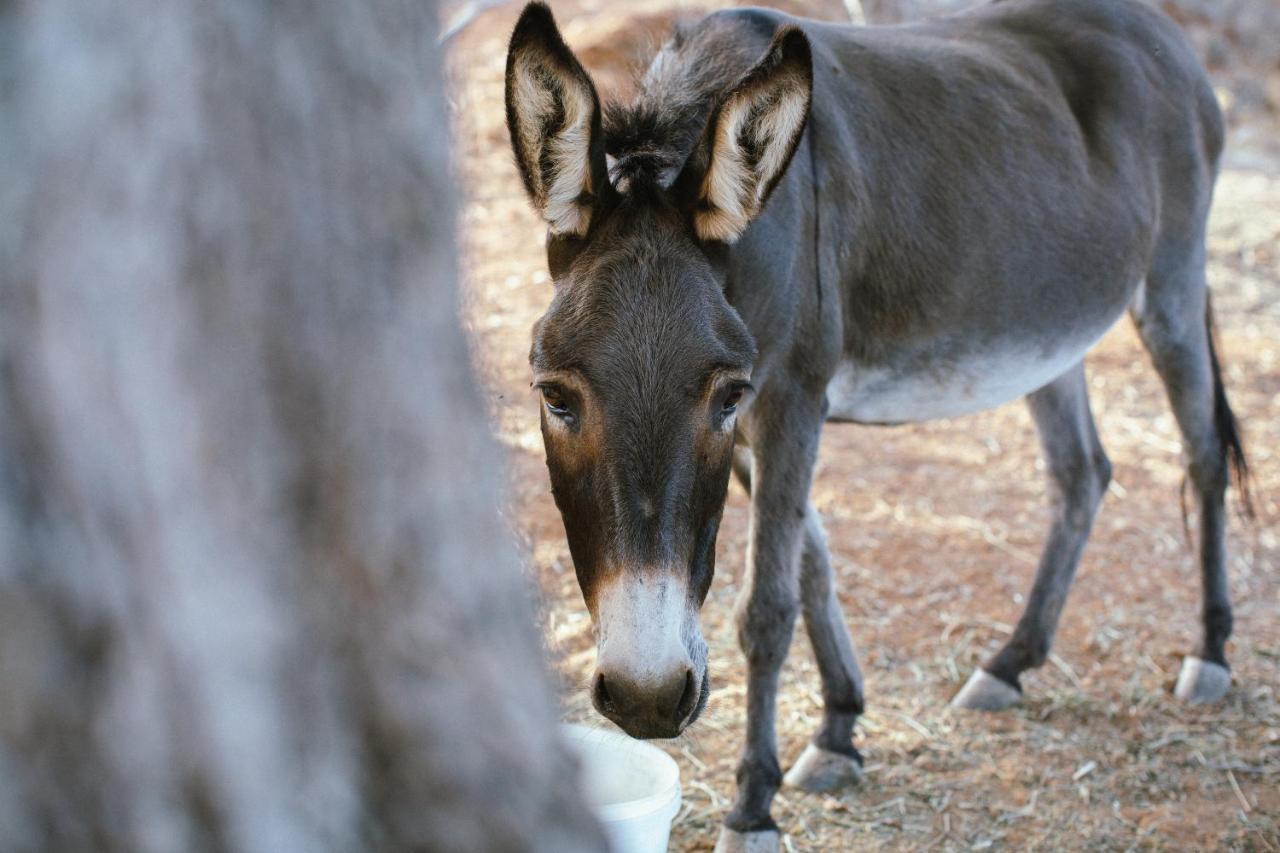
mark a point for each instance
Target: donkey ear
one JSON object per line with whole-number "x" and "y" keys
{"x": 553, "y": 114}
{"x": 749, "y": 139}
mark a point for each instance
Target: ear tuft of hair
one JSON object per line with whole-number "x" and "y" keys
{"x": 750, "y": 139}
{"x": 553, "y": 116}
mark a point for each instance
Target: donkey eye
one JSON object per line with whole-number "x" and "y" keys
{"x": 732, "y": 400}
{"x": 556, "y": 403}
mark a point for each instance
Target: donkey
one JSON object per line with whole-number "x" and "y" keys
{"x": 795, "y": 222}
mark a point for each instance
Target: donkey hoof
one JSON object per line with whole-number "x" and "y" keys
{"x": 984, "y": 692}
{"x": 759, "y": 841}
{"x": 1201, "y": 681}
{"x": 819, "y": 770}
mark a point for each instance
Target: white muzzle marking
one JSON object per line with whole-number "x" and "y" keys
{"x": 641, "y": 622}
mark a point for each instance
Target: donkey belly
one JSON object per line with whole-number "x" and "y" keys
{"x": 918, "y": 387}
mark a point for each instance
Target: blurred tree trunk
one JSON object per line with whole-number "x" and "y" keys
{"x": 254, "y": 592}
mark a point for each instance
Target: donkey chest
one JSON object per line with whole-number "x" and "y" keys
{"x": 921, "y": 388}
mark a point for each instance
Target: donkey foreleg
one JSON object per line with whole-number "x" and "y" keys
{"x": 785, "y": 444}
{"x": 1079, "y": 473}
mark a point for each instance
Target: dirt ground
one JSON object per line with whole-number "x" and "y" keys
{"x": 934, "y": 531}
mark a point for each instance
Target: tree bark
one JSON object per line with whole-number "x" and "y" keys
{"x": 254, "y": 591}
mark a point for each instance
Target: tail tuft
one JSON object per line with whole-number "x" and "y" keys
{"x": 1225, "y": 421}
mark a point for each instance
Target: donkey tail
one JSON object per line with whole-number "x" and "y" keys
{"x": 1225, "y": 420}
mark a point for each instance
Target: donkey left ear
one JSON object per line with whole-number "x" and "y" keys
{"x": 749, "y": 139}
{"x": 553, "y": 115}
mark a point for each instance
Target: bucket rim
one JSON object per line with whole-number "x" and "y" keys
{"x": 665, "y": 798}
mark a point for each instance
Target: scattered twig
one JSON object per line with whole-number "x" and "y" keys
{"x": 693, "y": 759}
{"x": 1235, "y": 786}
{"x": 907, "y": 718}
{"x": 1065, "y": 668}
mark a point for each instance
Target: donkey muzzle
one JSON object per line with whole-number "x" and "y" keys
{"x": 648, "y": 679}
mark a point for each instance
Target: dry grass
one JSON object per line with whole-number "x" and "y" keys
{"x": 934, "y": 532}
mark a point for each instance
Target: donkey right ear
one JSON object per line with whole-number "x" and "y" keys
{"x": 553, "y": 114}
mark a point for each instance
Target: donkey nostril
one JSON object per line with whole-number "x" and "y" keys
{"x": 687, "y": 698}
{"x": 603, "y": 700}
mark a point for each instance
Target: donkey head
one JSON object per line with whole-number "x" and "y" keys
{"x": 641, "y": 362}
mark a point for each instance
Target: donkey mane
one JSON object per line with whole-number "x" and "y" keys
{"x": 650, "y": 138}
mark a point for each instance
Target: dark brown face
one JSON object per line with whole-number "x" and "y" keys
{"x": 641, "y": 362}
{"x": 642, "y": 366}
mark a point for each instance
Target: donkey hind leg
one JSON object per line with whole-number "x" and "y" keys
{"x": 767, "y": 607}
{"x": 1174, "y": 321}
{"x": 1078, "y": 476}
{"x": 830, "y": 761}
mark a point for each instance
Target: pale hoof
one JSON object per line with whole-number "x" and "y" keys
{"x": 1202, "y": 681}
{"x": 819, "y": 770}
{"x": 984, "y": 692}
{"x": 760, "y": 841}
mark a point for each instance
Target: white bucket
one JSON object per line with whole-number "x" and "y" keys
{"x": 633, "y": 787}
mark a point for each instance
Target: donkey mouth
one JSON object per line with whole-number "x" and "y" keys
{"x": 649, "y": 726}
